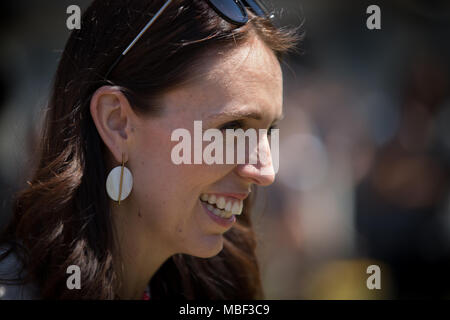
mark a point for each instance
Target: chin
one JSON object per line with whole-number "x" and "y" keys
{"x": 209, "y": 247}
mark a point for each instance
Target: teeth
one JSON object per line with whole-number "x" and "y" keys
{"x": 236, "y": 208}
{"x": 212, "y": 199}
{"x": 224, "y": 207}
{"x": 221, "y": 203}
{"x": 219, "y": 212}
{"x": 229, "y": 206}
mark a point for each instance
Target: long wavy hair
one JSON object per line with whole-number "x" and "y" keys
{"x": 62, "y": 217}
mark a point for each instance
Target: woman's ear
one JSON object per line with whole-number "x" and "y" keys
{"x": 112, "y": 115}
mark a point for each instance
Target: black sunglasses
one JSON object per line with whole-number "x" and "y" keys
{"x": 232, "y": 11}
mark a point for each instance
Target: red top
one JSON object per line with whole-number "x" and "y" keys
{"x": 146, "y": 295}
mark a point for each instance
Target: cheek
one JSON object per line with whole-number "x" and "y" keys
{"x": 153, "y": 165}
{"x": 164, "y": 190}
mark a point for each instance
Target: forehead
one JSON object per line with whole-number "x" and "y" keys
{"x": 251, "y": 63}
{"x": 248, "y": 76}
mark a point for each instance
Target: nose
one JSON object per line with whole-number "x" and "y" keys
{"x": 253, "y": 174}
{"x": 262, "y": 172}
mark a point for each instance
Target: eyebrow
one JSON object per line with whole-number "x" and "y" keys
{"x": 242, "y": 114}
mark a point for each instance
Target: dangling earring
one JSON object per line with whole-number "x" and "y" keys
{"x": 119, "y": 182}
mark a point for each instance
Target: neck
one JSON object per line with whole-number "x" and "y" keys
{"x": 139, "y": 255}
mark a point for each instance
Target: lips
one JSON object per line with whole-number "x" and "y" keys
{"x": 223, "y": 222}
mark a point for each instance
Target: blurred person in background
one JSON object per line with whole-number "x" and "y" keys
{"x": 402, "y": 206}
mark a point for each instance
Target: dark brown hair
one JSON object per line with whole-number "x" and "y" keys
{"x": 62, "y": 217}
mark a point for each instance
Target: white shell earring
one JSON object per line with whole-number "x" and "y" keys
{"x": 119, "y": 182}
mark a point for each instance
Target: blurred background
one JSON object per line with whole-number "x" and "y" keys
{"x": 364, "y": 148}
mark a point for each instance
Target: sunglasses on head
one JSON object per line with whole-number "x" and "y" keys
{"x": 232, "y": 11}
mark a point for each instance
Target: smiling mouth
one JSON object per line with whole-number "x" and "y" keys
{"x": 221, "y": 206}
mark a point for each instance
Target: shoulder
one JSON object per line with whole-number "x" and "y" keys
{"x": 10, "y": 268}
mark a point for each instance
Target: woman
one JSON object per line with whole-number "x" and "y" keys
{"x": 106, "y": 196}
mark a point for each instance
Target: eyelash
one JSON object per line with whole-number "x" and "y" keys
{"x": 237, "y": 124}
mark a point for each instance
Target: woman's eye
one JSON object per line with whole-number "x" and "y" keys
{"x": 232, "y": 125}
{"x": 238, "y": 125}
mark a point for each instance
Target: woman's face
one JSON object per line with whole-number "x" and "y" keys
{"x": 233, "y": 88}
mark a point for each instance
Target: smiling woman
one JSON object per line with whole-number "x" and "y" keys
{"x": 135, "y": 72}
